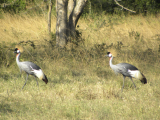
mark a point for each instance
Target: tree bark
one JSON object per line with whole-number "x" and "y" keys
{"x": 77, "y": 9}
{"x": 49, "y": 17}
{"x": 61, "y": 25}
{"x": 65, "y": 28}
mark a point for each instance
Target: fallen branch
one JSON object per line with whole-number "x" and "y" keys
{"x": 124, "y": 7}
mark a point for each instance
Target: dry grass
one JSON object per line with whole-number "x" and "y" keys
{"x": 15, "y": 28}
{"x": 111, "y": 29}
{"x": 81, "y": 84}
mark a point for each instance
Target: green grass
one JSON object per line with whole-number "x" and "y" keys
{"x": 81, "y": 83}
{"x": 77, "y": 100}
{"x": 78, "y": 91}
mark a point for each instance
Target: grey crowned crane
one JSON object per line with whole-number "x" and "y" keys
{"x": 30, "y": 68}
{"x": 127, "y": 70}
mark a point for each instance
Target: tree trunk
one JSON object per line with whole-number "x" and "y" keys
{"x": 61, "y": 25}
{"x": 49, "y": 16}
{"x": 77, "y": 9}
{"x": 64, "y": 29}
{"x": 71, "y": 27}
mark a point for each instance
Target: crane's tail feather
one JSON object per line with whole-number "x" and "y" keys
{"x": 45, "y": 80}
{"x": 144, "y": 80}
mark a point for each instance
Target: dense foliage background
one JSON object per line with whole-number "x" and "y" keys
{"x": 109, "y": 6}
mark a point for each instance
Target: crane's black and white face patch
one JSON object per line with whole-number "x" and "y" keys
{"x": 109, "y": 54}
{"x": 16, "y": 50}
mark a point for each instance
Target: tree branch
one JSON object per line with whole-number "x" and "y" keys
{"x": 78, "y": 10}
{"x": 124, "y": 7}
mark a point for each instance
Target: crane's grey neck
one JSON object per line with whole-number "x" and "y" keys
{"x": 17, "y": 57}
{"x": 110, "y": 61}
{"x": 114, "y": 67}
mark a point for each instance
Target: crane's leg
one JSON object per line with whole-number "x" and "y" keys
{"x": 133, "y": 83}
{"x": 25, "y": 82}
{"x": 123, "y": 83}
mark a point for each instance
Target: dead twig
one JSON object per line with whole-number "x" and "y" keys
{"x": 124, "y": 7}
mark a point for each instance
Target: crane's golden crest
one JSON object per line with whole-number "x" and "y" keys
{"x": 19, "y": 47}
{"x": 113, "y": 52}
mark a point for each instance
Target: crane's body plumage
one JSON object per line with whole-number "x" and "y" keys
{"x": 30, "y": 68}
{"x": 26, "y": 66}
{"x": 127, "y": 70}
